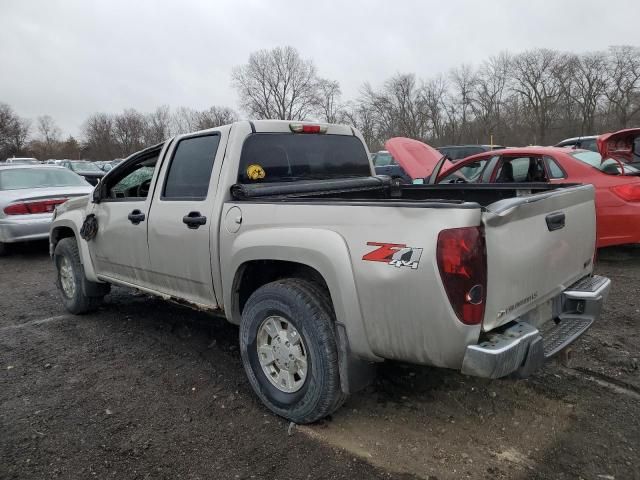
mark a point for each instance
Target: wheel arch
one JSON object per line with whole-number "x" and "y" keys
{"x": 315, "y": 254}
{"x": 66, "y": 228}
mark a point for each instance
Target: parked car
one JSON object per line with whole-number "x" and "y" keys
{"x": 28, "y": 195}
{"x": 585, "y": 142}
{"x": 623, "y": 145}
{"x": 385, "y": 164}
{"x": 22, "y": 161}
{"x": 326, "y": 268}
{"x": 88, "y": 170}
{"x": 617, "y": 191}
{"x": 458, "y": 152}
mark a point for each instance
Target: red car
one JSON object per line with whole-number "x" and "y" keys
{"x": 617, "y": 181}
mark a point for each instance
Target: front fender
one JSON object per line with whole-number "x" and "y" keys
{"x": 323, "y": 250}
{"x": 72, "y": 219}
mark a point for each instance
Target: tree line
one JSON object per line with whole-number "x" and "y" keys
{"x": 539, "y": 96}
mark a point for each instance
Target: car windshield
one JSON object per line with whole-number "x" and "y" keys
{"x": 282, "y": 157}
{"x": 84, "y": 167}
{"x": 21, "y": 178}
{"x": 383, "y": 159}
{"x": 607, "y": 166}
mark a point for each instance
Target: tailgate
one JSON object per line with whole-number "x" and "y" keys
{"x": 537, "y": 246}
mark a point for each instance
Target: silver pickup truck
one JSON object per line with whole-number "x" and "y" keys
{"x": 327, "y": 269}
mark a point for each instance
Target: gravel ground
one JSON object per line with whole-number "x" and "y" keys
{"x": 146, "y": 389}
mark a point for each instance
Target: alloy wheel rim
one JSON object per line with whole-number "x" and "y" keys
{"x": 282, "y": 354}
{"x": 67, "y": 280}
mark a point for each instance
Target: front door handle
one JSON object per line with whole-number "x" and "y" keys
{"x": 136, "y": 217}
{"x": 193, "y": 220}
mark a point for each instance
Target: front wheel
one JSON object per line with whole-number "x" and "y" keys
{"x": 3, "y": 249}
{"x": 71, "y": 281}
{"x": 289, "y": 351}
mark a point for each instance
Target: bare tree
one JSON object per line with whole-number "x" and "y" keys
{"x": 98, "y": 132}
{"x": 187, "y": 120}
{"x": 329, "y": 100}
{"x": 215, "y": 117}
{"x": 538, "y": 77}
{"x": 157, "y": 126}
{"x": 362, "y": 116}
{"x": 400, "y": 107}
{"x": 623, "y": 83}
{"x": 129, "y": 131}
{"x": 14, "y": 132}
{"x": 488, "y": 95}
{"x": 589, "y": 78}
{"x": 277, "y": 83}
{"x": 434, "y": 93}
{"x": 463, "y": 81}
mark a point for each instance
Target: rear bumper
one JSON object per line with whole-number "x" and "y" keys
{"x": 519, "y": 347}
{"x": 25, "y": 229}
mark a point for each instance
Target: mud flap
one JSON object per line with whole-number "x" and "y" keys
{"x": 355, "y": 374}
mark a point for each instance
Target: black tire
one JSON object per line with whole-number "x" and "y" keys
{"x": 308, "y": 308}
{"x": 4, "y": 250}
{"x": 87, "y": 296}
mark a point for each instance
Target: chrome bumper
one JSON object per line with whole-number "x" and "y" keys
{"x": 521, "y": 348}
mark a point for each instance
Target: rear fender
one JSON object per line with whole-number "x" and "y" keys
{"x": 323, "y": 250}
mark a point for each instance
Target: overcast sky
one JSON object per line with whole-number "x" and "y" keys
{"x": 69, "y": 58}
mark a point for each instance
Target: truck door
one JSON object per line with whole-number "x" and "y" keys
{"x": 183, "y": 227}
{"x": 120, "y": 249}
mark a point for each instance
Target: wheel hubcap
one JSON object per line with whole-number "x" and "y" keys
{"x": 67, "y": 280}
{"x": 282, "y": 354}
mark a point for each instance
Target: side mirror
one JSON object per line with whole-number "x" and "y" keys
{"x": 97, "y": 193}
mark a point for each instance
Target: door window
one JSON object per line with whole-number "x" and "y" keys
{"x": 521, "y": 170}
{"x": 190, "y": 169}
{"x": 133, "y": 181}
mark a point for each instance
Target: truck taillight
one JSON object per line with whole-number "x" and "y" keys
{"x": 306, "y": 128}
{"x": 629, "y": 191}
{"x": 32, "y": 207}
{"x": 462, "y": 261}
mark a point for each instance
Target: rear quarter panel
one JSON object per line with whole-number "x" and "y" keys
{"x": 394, "y": 312}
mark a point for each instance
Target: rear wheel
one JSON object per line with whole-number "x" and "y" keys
{"x": 78, "y": 294}
{"x": 289, "y": 350}
{"x": 3, "y": 249}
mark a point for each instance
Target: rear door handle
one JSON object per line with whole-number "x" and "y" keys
{"x": 555, "y": 221}
{"x": 136, "y": 217}
{"x": 193, "y": 220}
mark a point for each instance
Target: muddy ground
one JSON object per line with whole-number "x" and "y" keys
{"x": 145, "y": 389}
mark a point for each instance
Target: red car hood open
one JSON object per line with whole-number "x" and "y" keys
{"x": 618, "y": 145}
{"x": 416, "y": 158}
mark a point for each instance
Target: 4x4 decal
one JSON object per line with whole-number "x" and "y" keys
{"x": 396, "y": 254}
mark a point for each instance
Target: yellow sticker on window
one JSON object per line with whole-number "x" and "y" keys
{"x": 255, "y": 172}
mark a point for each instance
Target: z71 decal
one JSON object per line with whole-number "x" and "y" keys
{"x": 396, "y": 254}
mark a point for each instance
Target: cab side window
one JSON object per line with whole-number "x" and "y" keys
{"x": 190, "y": 169}
{"x": 554, "y": 169}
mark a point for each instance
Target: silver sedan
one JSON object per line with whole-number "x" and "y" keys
{"x": 28, "y": 196}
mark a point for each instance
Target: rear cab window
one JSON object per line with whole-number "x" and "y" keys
{"x": 286, "y": 157}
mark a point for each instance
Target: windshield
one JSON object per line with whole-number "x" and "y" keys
{"x": 608, "y": 166}
{"x": 383, "y": 159}
{"x": 277, "y": 157}
{"x": 19, "y": 178}
{"x": 84, "y": 167}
